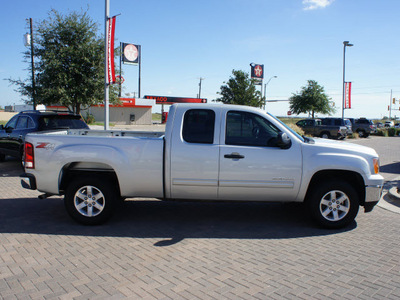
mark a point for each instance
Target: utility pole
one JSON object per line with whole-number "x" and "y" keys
{"x": 200, "y": 86}
{"x": 32, "y": 67}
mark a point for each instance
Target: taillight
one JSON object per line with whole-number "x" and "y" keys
{"x": 29, "y": 156}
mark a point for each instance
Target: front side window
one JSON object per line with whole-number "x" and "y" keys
{"x": 12, "y": 123}
{"x": 248, "y": 129}
{"x": 198, "y": 126}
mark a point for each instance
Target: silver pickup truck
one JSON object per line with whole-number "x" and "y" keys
{"x": 208, "y": 152}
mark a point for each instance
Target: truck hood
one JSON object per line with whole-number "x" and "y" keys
{"x": 344, "y": 147}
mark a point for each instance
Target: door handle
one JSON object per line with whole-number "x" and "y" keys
{"x": 234, "y": 155}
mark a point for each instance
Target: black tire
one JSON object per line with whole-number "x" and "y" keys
{"x": 361, "y": 133}
{"x": 90, "y": 201}
{"x": 2, "y": 157}
{"x": 325, "y": 135}
{"x": 333, "y": 214}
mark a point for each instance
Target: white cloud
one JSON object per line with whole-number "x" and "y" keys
{"x": 316, "y": 4}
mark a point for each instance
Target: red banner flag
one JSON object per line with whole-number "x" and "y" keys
{"x": 347, "y": 92}
{"x": 110, "y": 51}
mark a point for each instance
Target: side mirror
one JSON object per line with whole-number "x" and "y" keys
{"x": 283, "y": 141}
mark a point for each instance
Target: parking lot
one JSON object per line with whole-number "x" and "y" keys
{"x": 168, "y": 250}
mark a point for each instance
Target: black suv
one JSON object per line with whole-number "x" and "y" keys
{"x": 363, "y": 126}
{"x": 12, "y": 135}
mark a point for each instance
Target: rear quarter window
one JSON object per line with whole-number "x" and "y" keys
{"x": 61, "y": 122}
{"x": 198, "y": 126}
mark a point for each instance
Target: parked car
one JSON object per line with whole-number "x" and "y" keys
{"x": 363, "y": 126}
{"x": 314, "y": 127}
{"x": 389, "y": 124}
{"x": 12, "y": 135}
{"x": 207, "y": 152}
{"x": 338, "y": 122}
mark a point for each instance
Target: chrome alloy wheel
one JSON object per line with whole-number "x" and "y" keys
{"x": 89, "y": 201}
{"x": 334, "y": 205}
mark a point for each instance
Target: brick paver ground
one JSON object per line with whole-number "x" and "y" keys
{"x": 167, "y": 250}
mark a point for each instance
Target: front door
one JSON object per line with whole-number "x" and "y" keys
{"x": 252, "y": 167}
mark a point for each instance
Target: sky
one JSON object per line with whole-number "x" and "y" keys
{"x": 183, "y": 41}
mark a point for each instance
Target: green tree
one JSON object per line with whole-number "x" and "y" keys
{"x": 69, "y": 62}
{"x": 240, "y": 89}
{"x": 312, "y": 99}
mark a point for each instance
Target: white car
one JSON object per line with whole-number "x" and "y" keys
{"x": 389, "y": 124}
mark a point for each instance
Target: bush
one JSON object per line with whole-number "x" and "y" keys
{"x": 391, "y": 131}
{"x": 381, "y": 132}
{"x": 296, "y": 128}
{"x": 89, "y": 119}
{"x": 353, "y": 136}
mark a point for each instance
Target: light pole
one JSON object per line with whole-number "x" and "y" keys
{"x": 265, "y": 89}
{"x": 345, "y": 44}
{"x": 29, "y": 42}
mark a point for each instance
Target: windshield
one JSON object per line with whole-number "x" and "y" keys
{"x": 288, "y": 128}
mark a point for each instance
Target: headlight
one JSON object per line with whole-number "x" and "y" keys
{"x": 376, "y": 165}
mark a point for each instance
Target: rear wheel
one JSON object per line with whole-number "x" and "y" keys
{"x": 361, "y": 133}
{"x": 90, "y": 201}
{"x": 325, "y": 135}
{"x": 333, "y": 204}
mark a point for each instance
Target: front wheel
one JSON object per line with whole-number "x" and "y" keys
{"x": 333, "y": 204}
{"x": 90, "y": 201}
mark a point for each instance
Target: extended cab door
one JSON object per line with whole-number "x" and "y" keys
{"x": 252, "y": 167}
{"x": 194, "y": 154}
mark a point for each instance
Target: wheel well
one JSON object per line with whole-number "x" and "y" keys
{"x": 71, "y": 172}
{"x": 353, "y": 178}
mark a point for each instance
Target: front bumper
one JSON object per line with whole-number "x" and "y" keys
{"x": 28, "y": 181}
{"x": 373, "y": 194}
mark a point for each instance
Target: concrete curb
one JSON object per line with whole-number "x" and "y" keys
{"x": 394, "y": 193}
{"x": 390, "y": 199}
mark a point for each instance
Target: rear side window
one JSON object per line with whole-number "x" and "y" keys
{"x": 326, "y": 122}
{"x": 198, "y": 126}
{"x": 338, "y": 122}
{"x": 22, "y": 123}
{"x": 61, "y": 122}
